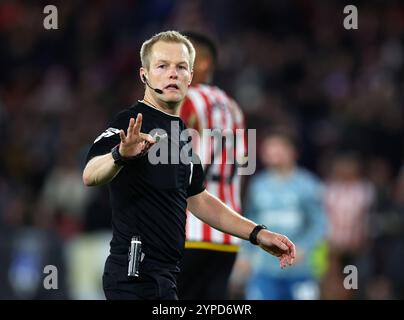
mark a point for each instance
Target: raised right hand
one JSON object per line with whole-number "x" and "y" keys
{"x": 134, "y": 143}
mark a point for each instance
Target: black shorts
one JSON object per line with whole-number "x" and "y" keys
{"x": 205, "y": 274}
{"x": 157, "y": 280}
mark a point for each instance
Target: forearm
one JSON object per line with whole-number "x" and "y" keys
{"x": 100, "y": 170}
{"x": 215, "y": 213}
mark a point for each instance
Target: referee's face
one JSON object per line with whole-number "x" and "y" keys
{"x": 169, "y": 71}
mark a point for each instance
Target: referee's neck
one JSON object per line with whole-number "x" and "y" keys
{"x": 169, "y": 108}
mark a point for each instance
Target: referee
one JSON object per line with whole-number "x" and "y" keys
{"x": 149, "y": 200}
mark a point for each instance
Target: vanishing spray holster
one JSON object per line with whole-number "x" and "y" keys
{"x": 134, "y": 256}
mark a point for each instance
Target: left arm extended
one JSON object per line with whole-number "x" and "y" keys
{"x": 214, "y": 212}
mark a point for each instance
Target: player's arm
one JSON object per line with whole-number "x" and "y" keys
{"x": 102, "y": 169}
{"x": 214, "y": 212}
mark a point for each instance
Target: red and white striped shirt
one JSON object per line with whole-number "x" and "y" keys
{"x": 348, "y": 206}
{"x": 208, "y": 107}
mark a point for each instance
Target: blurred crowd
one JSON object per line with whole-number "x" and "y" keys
{"x": 288, "y": 63}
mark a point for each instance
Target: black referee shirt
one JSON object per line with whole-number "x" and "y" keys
{"x": 149, "y": 200}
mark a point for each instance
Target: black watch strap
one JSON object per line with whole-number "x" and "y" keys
{"x": 118, "y": 159}
{"x": 254, "y": 233}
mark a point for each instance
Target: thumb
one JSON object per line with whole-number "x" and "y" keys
{"x": 147, "y": 137}
{"x": 280, "y": 244}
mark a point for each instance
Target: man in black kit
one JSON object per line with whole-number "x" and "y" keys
{"x": 149, "y": 200}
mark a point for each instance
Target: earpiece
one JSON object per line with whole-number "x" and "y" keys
{"x": 159, "y": 91}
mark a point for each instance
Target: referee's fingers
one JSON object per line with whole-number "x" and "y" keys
{"x": 122, "y": 136}
{"x": 130, "y": 127}
{"x": 280, "y": 244}
{"x": 147, "y": 137}
{"x": 138, "y": 124}
{"x": 290, "y": 244}
{"x": 292, "y": 248}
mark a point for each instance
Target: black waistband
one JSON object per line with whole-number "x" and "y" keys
{"x": 148, "y": 262}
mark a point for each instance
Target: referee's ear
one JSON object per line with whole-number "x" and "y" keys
{"x": 142, "y": 75}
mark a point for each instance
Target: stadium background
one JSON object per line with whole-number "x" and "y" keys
{"x": 286, "y": 62}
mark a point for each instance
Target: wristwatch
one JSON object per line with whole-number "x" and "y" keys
{"x": 254, "y": 233}
{"x": 118, "y": 159}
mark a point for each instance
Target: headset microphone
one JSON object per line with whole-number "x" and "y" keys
{"x": 159, "y": 91}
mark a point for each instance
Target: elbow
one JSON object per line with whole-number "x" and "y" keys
{"x": 87, "y": 179}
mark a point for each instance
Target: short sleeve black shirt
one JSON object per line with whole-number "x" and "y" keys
{"x": 148, "y": 199}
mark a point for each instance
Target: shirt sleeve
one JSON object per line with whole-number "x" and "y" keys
{"x": 110, "y": 137}
{"x": 197, "y": 178}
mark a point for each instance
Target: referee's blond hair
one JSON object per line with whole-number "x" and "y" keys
{"x": 166, "y": 36}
